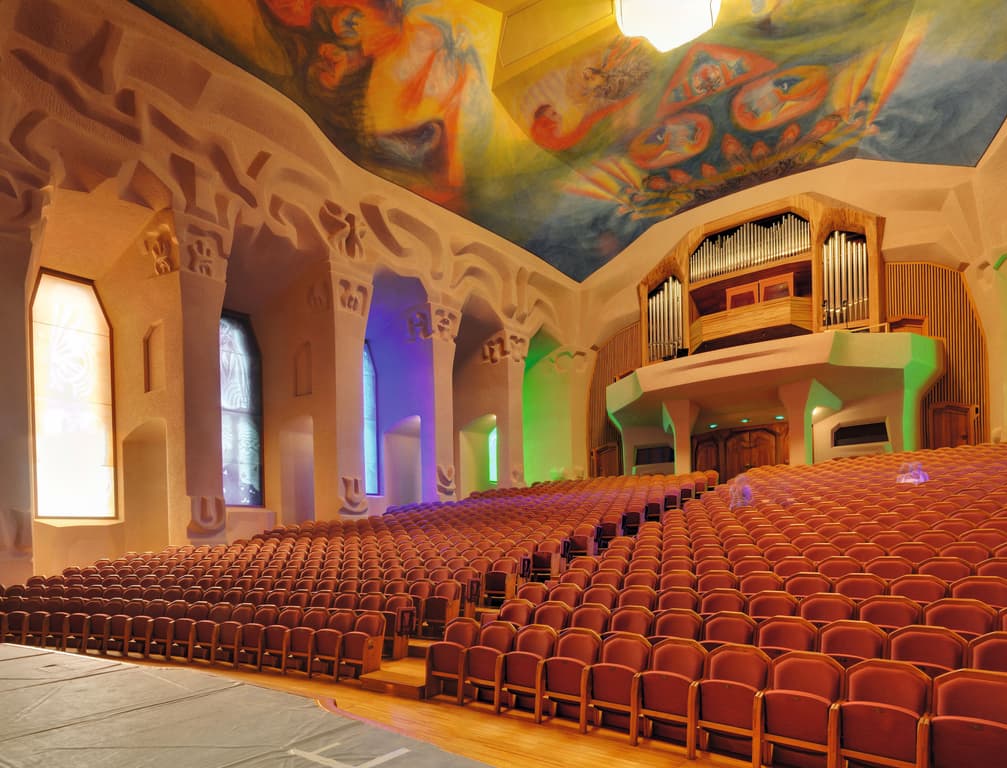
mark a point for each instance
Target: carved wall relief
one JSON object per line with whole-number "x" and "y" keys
{"x": 446, "y": 480}
{"x": 432, "y": 321}
{"x": 161, "y": 248}
{"x": 568, "y": 360}
{"x": 204, "y": 252}
{"x": 319, "y": 296}
{"x": 354, "y": 296}
{"x": 505, "y": 345}
{"x": 209, "y": 516}
{"x": 345, "y": 230}
{"x": 354, "y": 498}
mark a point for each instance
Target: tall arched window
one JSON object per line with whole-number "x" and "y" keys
{"x": 241, "y": 412}
{"x": 371, "y": 460}
{"x": 72, "y": 391}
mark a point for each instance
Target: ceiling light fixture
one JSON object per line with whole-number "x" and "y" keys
{"x": 666, "y": 24}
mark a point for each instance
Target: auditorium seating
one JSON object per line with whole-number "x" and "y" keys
{"x": 833, "y": 559}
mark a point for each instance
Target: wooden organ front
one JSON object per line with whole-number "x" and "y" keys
{"x": 801, "y": 265}
{"x": 763, "y": 339}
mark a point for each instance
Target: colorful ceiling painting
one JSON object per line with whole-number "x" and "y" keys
{"x": 575, "y": 157}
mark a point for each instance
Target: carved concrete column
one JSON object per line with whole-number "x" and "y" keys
{"x": 431, "y": 329}
{"x": 200, "y": 266}
{"x": 15, "y": 419}
{"x": 342, "y": 437}
{"x": 507, "y": 351}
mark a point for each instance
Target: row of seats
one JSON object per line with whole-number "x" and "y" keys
{"x": 242, "y": 635}
{"x": 879, "y": 711}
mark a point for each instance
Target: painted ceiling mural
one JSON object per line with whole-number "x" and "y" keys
{"x": 577, "y": 157}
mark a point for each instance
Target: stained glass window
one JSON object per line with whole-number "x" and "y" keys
{"x": 241, "y": 413}
{"x": 491, "y": 446}
{"x": 371, "y": 460}
{"x": 72, "y": 391}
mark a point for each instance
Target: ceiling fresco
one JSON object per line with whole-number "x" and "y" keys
{"x": 575, "y": 157}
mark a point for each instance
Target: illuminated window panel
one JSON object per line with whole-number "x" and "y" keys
{"x": 72, "y": 391}
{"x": 371, "y": 460}
{"x": 241, "y": 413}
{"x": 491, "y": 441}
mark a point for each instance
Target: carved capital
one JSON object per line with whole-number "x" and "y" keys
{"x": 160, "y": 247}
{"x": 209, "y": 516}
{"x": 354, "y": 500}
{"x": 446, "y": 481}
{"x": 344, "y": 229}
{"x": 354, "y": 296}
{"x": 569, "y": 360}
{"x": 319, "y": 298}
{"x": 432, "y": 321}
{"x": 506, "y": 345}
{"x": 203, "y": 250}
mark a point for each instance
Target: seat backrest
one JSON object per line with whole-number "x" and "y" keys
{"x": 677, "y": 622}
{"x": 964, "y": 615}
{"x": 631, "y": 618}
{"x": 808, "y": 672}
{"x": 970, "y": 693}
{"x": 537, "y": 639}
{"x": 890, "y": 611}
{"x": 936, "y": 647}
{"x": 626, "y": 648}
{"x": 772, "y": 602}
{"x": 889, "y": 682}
{"x": 498, "y": 635}
{"x": 852, "y": 638}
{"x": 578, "y": 643}
{"x": 729, "y": 627}
{"x": 516, "y": 611}
{"x": 786, "y": 632}
{"x": 738, "y": 663}
{"x": 680, "y": 656}
{"x": 591, "y": 616}
{"x": 552, "y": 613}
{"x": 462, "y": 630}
{"x": 989, "y": 652}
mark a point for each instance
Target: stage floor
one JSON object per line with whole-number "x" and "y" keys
{"x": 73, "y": 711}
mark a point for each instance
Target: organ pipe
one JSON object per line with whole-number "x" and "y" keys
{"x": 846, "y": 279}
{"x": 665, "y": 320}
{"x": 750, "y": 245}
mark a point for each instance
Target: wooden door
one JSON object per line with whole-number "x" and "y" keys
{"x": 748, "y": 448}
{"x": 706, "y": 453}
{"x": 607, "y": 460}
{"x": 952, "y": 424}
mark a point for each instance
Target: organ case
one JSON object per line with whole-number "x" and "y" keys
{"x": 800, "y": 265}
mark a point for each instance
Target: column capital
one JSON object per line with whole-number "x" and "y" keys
{"x": 198, "y": 246}
{"x": 352, "y": 293}
{"x": 570, "y": 359}
{"x": 506, "y": 345}
{"x": 431, "y": 320}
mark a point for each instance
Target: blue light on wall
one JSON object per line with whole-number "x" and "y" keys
{"x": 370, "y": 398}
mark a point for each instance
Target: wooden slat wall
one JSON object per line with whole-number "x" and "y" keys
{"x": 942, "y": 295}
{"x": 619, "y": 354}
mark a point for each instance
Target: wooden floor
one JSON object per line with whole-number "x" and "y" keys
{"x": 506, "y": 741}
